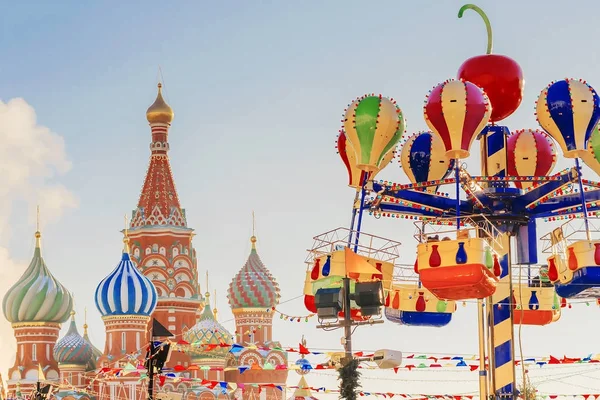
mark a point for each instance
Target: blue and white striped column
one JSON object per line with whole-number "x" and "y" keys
{"x": 494, "y": 163}
{"x": 503, "y": 368}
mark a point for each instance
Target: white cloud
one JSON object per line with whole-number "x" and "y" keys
{"x": 31, "y": 156}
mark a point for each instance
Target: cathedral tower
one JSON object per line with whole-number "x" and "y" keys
{"x": 161, "y": 241}
{"x": 253, "y": 295}
{"x": 125, "y": 298}
{"x": 73, "y": 354}
{"x": 36, "y": 306}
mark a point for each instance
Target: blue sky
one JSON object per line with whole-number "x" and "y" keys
{"x": 258, "y": 89}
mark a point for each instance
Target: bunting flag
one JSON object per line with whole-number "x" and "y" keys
{"x": 158, "y": 330}
{"x": 230, "y": 387}
{"x": 41, "y": 375}
{"x": 412, "y": 362}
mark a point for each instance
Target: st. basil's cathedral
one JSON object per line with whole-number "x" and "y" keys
{"x": 156, "y": 277}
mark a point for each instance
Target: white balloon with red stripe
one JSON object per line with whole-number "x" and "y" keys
{"x": 530, "y": 153}
{"x": 457, "y": 111}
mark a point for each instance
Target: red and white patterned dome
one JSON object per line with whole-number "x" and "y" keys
{"x": 253, "y": 286}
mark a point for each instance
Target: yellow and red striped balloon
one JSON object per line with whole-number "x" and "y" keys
{"x": 457, "y": 111}
{"x": 530, "y": 153}
{"x": 373, "y": 126}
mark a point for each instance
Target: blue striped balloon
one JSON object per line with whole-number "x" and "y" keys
{"x": 569, "y": 110}
{"x": 423, "y": 158}
{"x": 125, "y": 291}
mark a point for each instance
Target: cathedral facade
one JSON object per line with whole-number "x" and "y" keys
{"x": 155, "y": 278}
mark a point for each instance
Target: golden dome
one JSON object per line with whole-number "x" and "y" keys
{"x": 159, "y": 111}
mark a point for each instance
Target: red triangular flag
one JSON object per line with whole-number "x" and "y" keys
{"x": 303, "y": 350}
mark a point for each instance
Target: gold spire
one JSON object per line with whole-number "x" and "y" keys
{"x": 215, "y": 312}
{"x": 159, "y": 112}
{"x": 38, "y": 235}
{"x": 85, "y": 325}
{"x": 125, "y": 238}
{"x": 207, "y": 293}
{"x": 253, "y": 238}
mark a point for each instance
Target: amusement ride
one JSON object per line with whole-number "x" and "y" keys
{"x": 481, "y": 244}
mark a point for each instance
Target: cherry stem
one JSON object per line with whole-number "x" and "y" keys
{"x": 488, "y": 26}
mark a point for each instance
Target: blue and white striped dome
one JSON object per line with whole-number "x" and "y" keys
{"x": 126, "y": 291}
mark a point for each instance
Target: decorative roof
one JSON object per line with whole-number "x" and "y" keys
{"x": 253, "y": 286}
{"x": 158, "y": 204}
{"x": 303, "y": 391}
{"x": 73, "y": 348}
{"x": 208, "y": 331}
{"x": 126, "y": 291}
{"x": 37, "y": 296}
{"x": 159, "y": 112}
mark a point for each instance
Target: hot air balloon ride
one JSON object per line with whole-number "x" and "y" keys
{"x": 373, "y": 125}
{"x": 357, "y": 177}
{"x": 327, "y": 270}
{"x": 461, "y": 265}
{"x": 423, "y": 158}
{"x": 574, "y": 263}
{"x": 410, "y": 304}
{"x": 569, "y": 110}
{"x": 535, "y": 302}
{"x": 530, "y": 153}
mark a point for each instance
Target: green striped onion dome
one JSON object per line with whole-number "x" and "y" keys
{"x": 37, "y": 296}
{"x": 73, "y": 348}
{"x": 208, "y": 331}
{"x": 253, "y": 286}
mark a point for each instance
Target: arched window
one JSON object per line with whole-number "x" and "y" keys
{"x": 163, "y": 251}
{"x": 148, "y": 250}
{"x": 175, "y": 252}
{"x": 155, "y": 248}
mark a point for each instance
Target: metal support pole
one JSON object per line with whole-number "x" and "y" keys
{"x": 490, "y": 333}
{"x": 456, "y": 162}
{"x": 347, "y": 322}
{"x": 583, "y": 205}
{"x": 353, "y": 217}
{"x": 512, "y": 317}
{"x": 360, "y": 215}
{"x": 483, "y": 384}
{"x": 151, "y": 370}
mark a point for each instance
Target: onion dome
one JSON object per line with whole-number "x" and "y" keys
{"x": 37, "y": 296}
{"x": 96, "y": 353}
{"x": 159, "y": 112}
{"x": 73, "y": 348}
{"x": 206, "y": 332}
{"x": 126, "y": 291}
{"x": 253, "y": 286}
